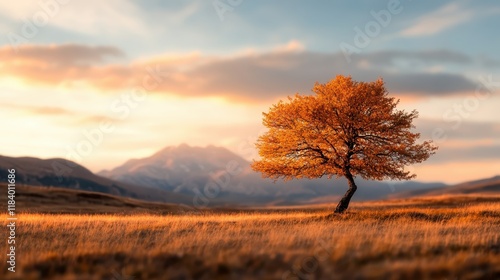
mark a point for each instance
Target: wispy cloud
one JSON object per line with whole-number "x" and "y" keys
{"x": 67, "y": 116}
{"x": 38, "y": 110}
{"x": 111, "y": 17}
{"x": 61, "y": 55}
{"x": 435, "y": 22}
{"x": 49, "y": 111}
{"x": 254, "y": 76}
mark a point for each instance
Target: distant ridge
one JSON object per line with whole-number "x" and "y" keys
{"x": 481, "y": 186}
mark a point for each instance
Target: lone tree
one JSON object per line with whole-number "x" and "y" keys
{"x": 348, "y": 129}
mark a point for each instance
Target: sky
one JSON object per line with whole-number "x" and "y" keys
{"x": 101, "y": 82}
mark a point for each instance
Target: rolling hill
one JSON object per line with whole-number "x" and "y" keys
{"x": 67, "y": 174}
{"x": 51, "y": 200}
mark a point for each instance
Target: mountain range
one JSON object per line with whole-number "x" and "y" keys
{"x": 217, "y": 174}
{"x": 212, "y": 176}
{"x": 67, "y": 174}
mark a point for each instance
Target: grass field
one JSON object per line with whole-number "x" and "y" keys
{"x": 435, "y": 238}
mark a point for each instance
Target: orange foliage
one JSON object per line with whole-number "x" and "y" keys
{"x": 347, "y": 128}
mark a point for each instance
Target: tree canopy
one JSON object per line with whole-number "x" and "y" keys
{"x": 347, "y": 128}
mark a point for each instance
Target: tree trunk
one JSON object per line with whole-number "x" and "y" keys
{"x": 344, "y": 202}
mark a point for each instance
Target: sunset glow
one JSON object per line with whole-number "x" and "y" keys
{"x": 162, "y": 74}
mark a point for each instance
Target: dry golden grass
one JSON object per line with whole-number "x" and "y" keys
{"x": 414, "y": 239}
